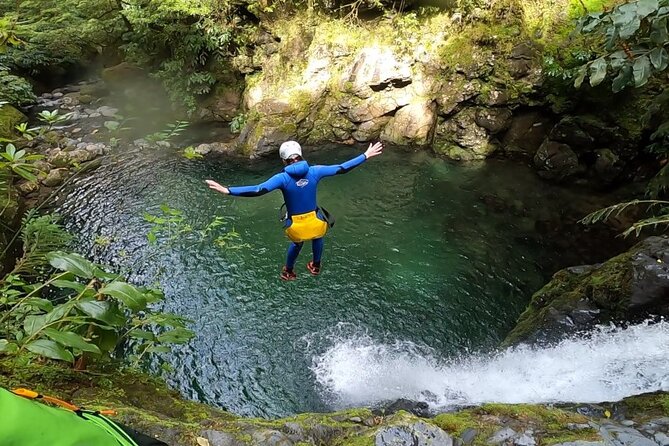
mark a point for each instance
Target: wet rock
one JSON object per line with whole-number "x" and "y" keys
{"x": 526, "y": 133}
{"x": 628, "y": 423}
{"x": 107, "y": 112}
{"x": 223, "y": 104}
{"x": 418, "y": 408}
{"x": 502, "y": 435}
{"x": 419, "y": 434}
{"x": 469, "y": 435}
{"x": 121, "y": 74}
{"x": 218, "y": 438}
{"x": 56, "y": 177}
{"x": 618, "y": 435}
{"x": 661, "y": 438}
{"x": 556, "y": 161}
{"x": 454, "y": 93}
{"x": 629, "y": 287}
{"x": 355, "y": 420}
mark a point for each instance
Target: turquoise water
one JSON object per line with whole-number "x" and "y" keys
{"x": 440, "y": 256}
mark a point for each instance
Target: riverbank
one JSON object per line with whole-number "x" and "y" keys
{"x": 146, "y": 404}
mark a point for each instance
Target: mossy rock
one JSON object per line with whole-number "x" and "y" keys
{"x": 10, "y": 117}
{"x": 629, "y": 287}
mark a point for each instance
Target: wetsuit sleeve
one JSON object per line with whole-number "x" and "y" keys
{"x": 336, "y": 169}
{"x": 261, "y": 189}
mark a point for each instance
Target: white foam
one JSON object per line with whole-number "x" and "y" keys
{"x": 610, "y": 364}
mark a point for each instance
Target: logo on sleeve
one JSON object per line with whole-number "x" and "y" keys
{"x": 303, "y": 182}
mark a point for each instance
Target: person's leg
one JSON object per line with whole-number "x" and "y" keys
{"x": 293, "y": 251}
{"x": 291, "y": 257}
{"x": 314, "y": 266}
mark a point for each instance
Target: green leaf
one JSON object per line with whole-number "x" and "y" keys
{"x": 581, "y": 76}
{"x": 70, "y": 339}
{"x": 142, "y": 334}
{"x": 629, "y": 28}
{"x": 33, "y": 323}
{"x": 58, "y": 313}
{"x": 8, "y": 347}
{"x": 592, "y": 24}
{"x": 151, "y": 236}
{"x": 10, "y": 150}
{"x": 50, "y": 349}
{"x": 623, "y": 79}
{"x": 597, "y": 71}
{"x": 646, "y": 7}
{"x": 158, "y": 349}
{"x": 103, "y": 311}
{"x": 105, "y": 339}
{"x": 641, "y": 71}
{"x": 659, "y": 58}
{"x": 76, "y": 286}
{"x": 42, "y": 304}
{"x": 658, "y": 33}
{"x": 73, "y": 263}
{"x": 176, "y": 336}
{"x": 127, "y": 294}
{"x": 24, "y": 173}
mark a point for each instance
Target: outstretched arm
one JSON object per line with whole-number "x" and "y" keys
{"x": 336, "y": 169}
{"x": 248, "y": 191}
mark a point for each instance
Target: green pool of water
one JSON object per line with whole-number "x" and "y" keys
{"x": 439, "y": 255}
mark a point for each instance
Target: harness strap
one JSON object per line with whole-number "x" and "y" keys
{"x": 32, "y": 395}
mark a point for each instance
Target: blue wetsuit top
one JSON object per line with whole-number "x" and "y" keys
{"x": 298, "y": 184}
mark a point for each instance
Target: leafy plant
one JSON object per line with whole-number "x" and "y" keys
{"x": 19, "y": 162}
{"x": 14, "y": 89}
{"x": 171, "y": 131}
{"x": 94, "y": 313}
{"x": 660, "y": 219}
{"x": 40, "y": 235}
{"x": 26, "y": 133}
{"x": 191, "y": 154}
{"x": 238, "y": 123}
{"x": 52, "y": 118}
{"x": 170, "y": 223}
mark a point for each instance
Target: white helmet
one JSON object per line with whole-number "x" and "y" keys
{"x": 289, "y": 149}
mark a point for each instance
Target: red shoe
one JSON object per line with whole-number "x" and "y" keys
{"x": 288, "y": 275}
{"x": 313, "y": 269}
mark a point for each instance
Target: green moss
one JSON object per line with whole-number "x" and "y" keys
{"x": 647, "y": 406}
{"x": 456, "y": 423}
{"x": 10, "y": 117}
{"x": 607, "y": 286}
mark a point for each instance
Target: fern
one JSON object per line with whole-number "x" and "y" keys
{"x": 636, "y": 228}
{"x": 617, "y": 209}
{"x": 40, "y": 235}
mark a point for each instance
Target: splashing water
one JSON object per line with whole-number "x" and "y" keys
{"x": 610, "y": 364}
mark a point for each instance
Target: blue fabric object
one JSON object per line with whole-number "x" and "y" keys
{"x": 298, "y": 183}
{"x": 293, "y": 251}
{"x": 317, "y": 247}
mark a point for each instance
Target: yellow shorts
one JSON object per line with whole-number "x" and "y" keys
{"x": 306, "y": 227}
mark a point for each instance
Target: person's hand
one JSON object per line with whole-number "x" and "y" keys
{"x": 374, "y": 150}
{"x": 217, "y": 187}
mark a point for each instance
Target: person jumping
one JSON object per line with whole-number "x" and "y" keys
{"x": 298, "y": 182}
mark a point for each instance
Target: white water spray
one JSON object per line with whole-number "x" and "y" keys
{"x": 610, "y": 364}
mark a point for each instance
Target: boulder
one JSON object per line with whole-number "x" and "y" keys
{"x": 9, "y": 118}
{"x": 454, "y": 93}
{"x": 494, "y": 120}
{"x": 56, "y": 177}
{"x": 556, "y": 161}
{"x": 418, "y": 434}
{"x": 526, "y": 133}
{"x": 629, "y": 287}
{"x": 608, "y": 166}
{"x": 370, "y": 130}
{"x": 462, "y": 139}
{"x": 120, "y": 74}
{"x": 375, "y": 69}
{"x": 412, "y": 125}
{"x": 568, "y": 131}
